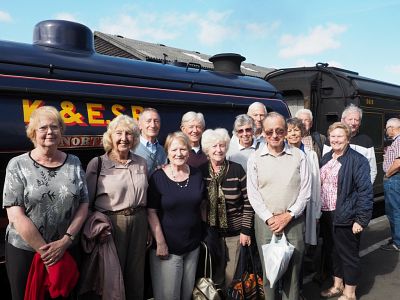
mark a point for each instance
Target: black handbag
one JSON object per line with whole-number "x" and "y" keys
{"x": 247, "y": 283}
{"x": 205, "y": 288}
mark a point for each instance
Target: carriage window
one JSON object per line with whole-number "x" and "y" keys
{"x": 373, "y": 124}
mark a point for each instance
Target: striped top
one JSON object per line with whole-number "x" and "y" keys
{"x": 239, "y": 212}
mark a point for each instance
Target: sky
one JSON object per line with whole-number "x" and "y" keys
{"x": 358, "y": 35}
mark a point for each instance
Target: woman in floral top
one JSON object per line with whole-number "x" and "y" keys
{"x": 46, "y": 199}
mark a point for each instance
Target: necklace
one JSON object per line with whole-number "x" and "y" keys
{"x": 115, "y": 158}
{"x": 185, "y": 183}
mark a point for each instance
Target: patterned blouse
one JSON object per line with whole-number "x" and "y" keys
{"x": 49, "y": 196}
{"x": 329, "y": 184}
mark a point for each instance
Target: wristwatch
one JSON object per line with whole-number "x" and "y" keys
{"x": 71, "y": 237}
{"x": 292, "y": 214}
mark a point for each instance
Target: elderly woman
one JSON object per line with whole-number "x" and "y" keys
{"x": 243, "y": 142}
{"x": 176, "y": 193}
{"x": 46, "y": 199}
{"x": 229, "y": 210}
{"x": 344, "y": 214}
{"x": 121, "y": 194}
{"x": 193, "y": 125}
{"x": 295, "y": 133}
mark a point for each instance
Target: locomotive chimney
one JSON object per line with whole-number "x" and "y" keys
{"x": 64, "y": 35}
{"x": 227, "y": 63}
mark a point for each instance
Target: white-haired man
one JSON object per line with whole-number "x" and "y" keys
{"x": 391, "y": 183}
{"x": 360, "y": 142}
{"x": 193, "y": 125}
{"x": 257, "y": 112}
{"x": 314, "y": 141}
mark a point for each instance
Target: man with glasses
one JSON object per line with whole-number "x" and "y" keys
{"x": 391, "y": 183}
{"x": 245, "y": 143}
{"x": 278, "y": 187}
{"x": 149, "y": 148}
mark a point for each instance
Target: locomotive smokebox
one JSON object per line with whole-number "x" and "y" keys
{"x": 64, "y": 35}
{"x": 227, "y": 63}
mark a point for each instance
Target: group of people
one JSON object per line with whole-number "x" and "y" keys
{"x": 273, "y": 176}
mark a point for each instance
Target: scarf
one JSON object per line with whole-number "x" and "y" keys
{"x": 217, "y": 212}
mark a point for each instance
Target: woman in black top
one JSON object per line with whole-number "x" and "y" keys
{"x": 229, "y": 210}
{"x": 176, "y": 192}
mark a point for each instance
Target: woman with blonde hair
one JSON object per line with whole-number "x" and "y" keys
{"x": 46, "y": 200}
{"x": 347, "y": 200}
{"x": 121, "y": 194}
{"x": 176, "y": 193}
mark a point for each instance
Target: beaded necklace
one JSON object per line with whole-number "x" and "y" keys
{"x": 186, "y": 182}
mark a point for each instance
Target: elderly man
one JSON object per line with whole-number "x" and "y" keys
{"x": 391, "y": 183}
{"x": 360, "y": 142}
{"x": 257, "y": 112}
{"x": 279, "y": 187}
{"x": 193, "y": 125}
{"x": 149, "y": 148}
{"x": 312, "y": 140}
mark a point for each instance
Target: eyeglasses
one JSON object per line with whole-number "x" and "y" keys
{"x": 248, "y": 130}
{"x": 45, "y": 128}
{"x": 386, "y": 129}
{"x": 278, "y": 132}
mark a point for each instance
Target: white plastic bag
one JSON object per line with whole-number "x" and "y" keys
{"x": 277, "y": 256}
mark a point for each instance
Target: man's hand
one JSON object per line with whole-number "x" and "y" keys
{"x": 278, "y": 222}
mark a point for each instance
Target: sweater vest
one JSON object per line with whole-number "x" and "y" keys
{"x": 279, "y": 179}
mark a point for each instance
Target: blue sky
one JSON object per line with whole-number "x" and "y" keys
{"x": 359, "y": 35}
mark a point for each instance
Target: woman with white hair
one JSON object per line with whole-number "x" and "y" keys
{"x": 229, "y": 210}
{"x": 120, "y": 192}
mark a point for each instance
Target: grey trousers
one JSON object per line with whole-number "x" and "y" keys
{"x": 294, "y": 232}
{"x": 226, "y": 267}
{"x": 130, "y": 237}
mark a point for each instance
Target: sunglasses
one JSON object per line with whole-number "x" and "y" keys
{"x": 247, "y": 130}
{"x": 278, "y": 132}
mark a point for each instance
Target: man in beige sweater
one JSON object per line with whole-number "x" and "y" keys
{"x": 279, "y": 186}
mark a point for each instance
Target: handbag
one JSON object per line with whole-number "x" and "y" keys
{"x": 205, "y": 288}
{"x": 277, "y": 256}
{"x": 247, "y": 283}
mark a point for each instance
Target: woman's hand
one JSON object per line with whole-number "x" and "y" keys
{"x": 245, "y": 240}
{"x": 54, "y": 251}
{"x": 357, "y": 228}
{"x": 162, "y": 251}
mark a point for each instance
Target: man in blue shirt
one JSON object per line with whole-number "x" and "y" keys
{"x": 149, "y": 148}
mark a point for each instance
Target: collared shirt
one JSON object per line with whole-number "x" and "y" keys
{"x": 152, "y": 147}
{"x": 329, "y": 184}
{"x": 240, "y": 154}
{"x": 392, "y": 152}
{"x": 119, "y": 186}
{"x": 254, "y": 194}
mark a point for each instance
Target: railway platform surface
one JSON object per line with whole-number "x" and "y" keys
{"x": 380, "y": 270}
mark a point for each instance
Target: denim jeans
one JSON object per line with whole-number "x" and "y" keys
{"x": 391, "y": 187}
{"x": 173, "y": 278}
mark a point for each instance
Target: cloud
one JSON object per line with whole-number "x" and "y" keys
{"x": 210, "y": 29}
{"x": 261, "y": 29}
{"x": 148, "y": 27}
{"x": 66, "y": 16}
{"x": 319, "y": 39}
{"x": 213, "y": 28}
{"x": 5, "y": 16}
{"x": 394, "y": 69}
